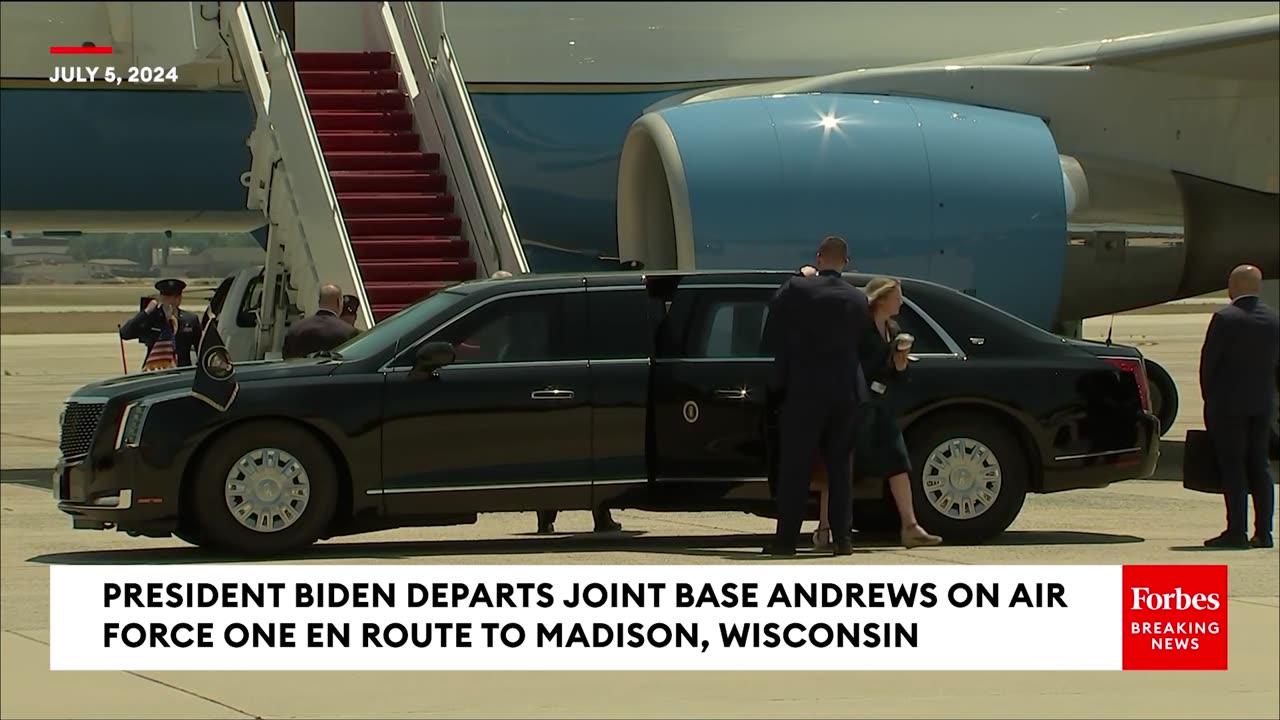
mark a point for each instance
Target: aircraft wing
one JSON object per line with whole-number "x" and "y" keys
{"x": 1247, "y": 49}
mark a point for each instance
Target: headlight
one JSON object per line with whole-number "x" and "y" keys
{"x": 132, "y": 422}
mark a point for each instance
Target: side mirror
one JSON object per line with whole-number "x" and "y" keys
{"x": 247, "y": 319}
{"x": 431, "y": 357}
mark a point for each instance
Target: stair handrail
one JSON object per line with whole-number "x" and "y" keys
{"x": 473, "y": 152}
{"x": 266, "y": 56}
{"x": 261, "y": 143}
{"x": 431, "y": 121}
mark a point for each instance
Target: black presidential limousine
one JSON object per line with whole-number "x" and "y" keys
{"x": 564, "y": 392}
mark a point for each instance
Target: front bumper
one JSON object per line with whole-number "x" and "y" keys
{"x": 1098, "y": 470}
{"x": 118, "y": 491}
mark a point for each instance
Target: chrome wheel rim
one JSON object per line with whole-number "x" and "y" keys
{"x": 961, "y": 478}
{"x": 267, "y": 490}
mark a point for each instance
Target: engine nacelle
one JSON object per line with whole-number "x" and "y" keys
{"x": 974, "y": 198}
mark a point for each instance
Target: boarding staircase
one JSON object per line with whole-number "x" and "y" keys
{"x": 370, "y": 166}
{"x": 393, "y": 197}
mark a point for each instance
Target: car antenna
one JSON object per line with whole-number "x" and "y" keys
{"x": 1111, "y": 327}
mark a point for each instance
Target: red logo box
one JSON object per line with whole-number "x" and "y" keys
{"x": 1175, "y": 617}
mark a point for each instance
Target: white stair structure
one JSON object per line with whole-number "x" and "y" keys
{"x": 438, "y": 93}
{"x": 310, "y": 242}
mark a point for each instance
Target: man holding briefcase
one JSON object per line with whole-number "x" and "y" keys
{"x": 1238, "y": 372}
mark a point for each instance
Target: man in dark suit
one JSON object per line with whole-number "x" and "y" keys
{"x": 812, "y": 332}
{"x": 148, "y": 324}
{"x": 322, "y": 331}
{"x": 1238, "y": 368}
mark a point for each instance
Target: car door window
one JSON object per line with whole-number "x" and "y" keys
{"x": 535, "y": 328}
{"x": 721, "y": 323}
{"x": 250, "y": 303}
{"x": 729, "y": 324}
{"x": 927, "y": 342}
{"x": 733, "y": 329}
{"x": 621, "y": 323}
{"x": 220, "y": 295}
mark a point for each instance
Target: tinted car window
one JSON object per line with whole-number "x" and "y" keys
{"x": 927, "y": 341}
{"x": 220, "y": 295}
{"x": 983, "y": 328}
{"x": 732, "y": 329}
{"x": 532, "y": 328}
{"x": 730, "y": 324}
{"x": 620, "y": 323}
{"x": 721, "y": 323}
{"x": 251, "y": 302}
{"x": 401, "y": 329}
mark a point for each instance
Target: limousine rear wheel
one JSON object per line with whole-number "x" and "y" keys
{"x": 969, "y": 476}
{"x": 265, "y": 489}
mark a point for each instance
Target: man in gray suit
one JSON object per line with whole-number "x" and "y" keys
{"x": 1238, "y": 370}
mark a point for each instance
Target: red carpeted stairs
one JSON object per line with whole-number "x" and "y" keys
{"x": 394, "y": 197}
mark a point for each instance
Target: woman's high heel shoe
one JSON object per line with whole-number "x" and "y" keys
{"x": 821, "y": 538}
{"x": 916, "y": 536}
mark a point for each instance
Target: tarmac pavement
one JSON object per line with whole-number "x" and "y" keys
{"x": 37, "y": 373}
{"x": 1138, "y": 522}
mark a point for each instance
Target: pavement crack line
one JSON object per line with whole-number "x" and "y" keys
{"x": 1253, "y": 602}
{"x": 157, "y": 681}
{"x": 47, "y": 441}
{"x": 926, "y": 556}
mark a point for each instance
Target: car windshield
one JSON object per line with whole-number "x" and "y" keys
{"x": 384, "y": 334}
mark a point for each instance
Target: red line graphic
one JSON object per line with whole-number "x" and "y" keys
{"x": 77, "y": 50}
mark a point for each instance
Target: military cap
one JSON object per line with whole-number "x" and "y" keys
{"x": 171, "y": 286}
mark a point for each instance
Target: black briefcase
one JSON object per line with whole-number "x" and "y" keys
{"x": 1199, "y": 464}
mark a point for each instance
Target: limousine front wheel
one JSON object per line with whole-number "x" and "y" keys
{"x": 265, "y": 489}
{"x": 969, "y": 477}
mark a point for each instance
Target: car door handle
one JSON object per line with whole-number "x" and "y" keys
{"x": 551, "y": 395}
{"x": 733, "y": 393}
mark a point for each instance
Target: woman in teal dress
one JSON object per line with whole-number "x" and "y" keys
{"x": 880, "y": 450}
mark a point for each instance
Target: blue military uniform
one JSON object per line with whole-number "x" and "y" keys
{"x": 145, "y": 327}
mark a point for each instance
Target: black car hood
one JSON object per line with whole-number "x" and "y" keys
{"x": 165, "y": 381}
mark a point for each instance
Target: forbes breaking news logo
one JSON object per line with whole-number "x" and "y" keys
{"x": 1175, "y": 617}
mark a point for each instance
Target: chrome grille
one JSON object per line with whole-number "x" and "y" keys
{"x": 79, "y": 422}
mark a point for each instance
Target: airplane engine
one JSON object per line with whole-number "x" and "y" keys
{"x": 973, "y": 198}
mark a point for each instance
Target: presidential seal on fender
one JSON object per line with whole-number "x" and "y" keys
{"x": 215, "y": 381}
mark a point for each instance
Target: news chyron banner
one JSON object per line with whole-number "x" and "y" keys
{"x": 757, "y": 616}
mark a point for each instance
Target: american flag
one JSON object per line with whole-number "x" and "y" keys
{"x": 163, "y": 355}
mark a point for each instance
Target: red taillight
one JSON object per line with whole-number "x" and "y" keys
{"x": 1139, "y": 370}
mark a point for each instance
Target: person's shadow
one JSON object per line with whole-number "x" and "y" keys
{"x": 1202, "y": 548}
{"x": 733, "y": 546}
